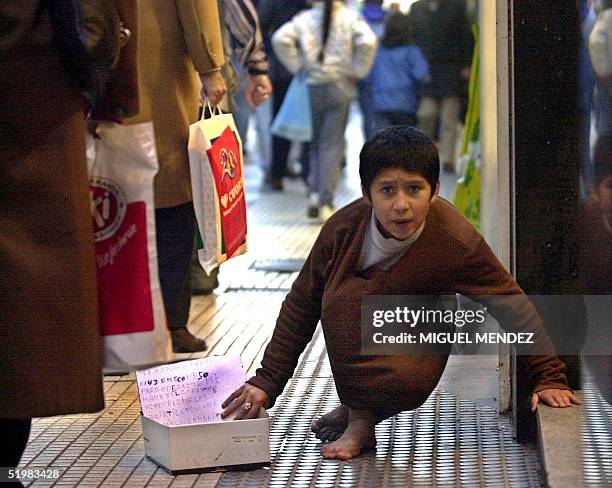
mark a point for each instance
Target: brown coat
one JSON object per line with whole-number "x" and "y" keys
{"x": 123, "y": 85}
{"x": 449, "y": 257}
{"x": 50, "y": 353}
{"x": 177, "y": 40}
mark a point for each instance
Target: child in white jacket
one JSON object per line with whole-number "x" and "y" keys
{"x": 335, "y": 47}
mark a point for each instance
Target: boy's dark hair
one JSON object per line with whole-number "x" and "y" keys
{"x": 401, "y": 147}
{"x": 397, "y": 30}
{"x": 602, "y": 157}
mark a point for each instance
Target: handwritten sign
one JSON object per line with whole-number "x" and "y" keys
{"x": 189, "y": 392}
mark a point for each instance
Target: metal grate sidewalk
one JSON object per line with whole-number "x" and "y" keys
{"x": 446, "y": 442}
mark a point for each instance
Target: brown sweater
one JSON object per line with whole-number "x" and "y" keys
{"x": 449, "y": 257}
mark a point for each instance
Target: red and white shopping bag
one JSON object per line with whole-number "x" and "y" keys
{"x": 132, "y": 314}
{"x": 217, "y": 179}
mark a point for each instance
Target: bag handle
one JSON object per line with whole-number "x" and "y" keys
{"x": 211, "y": 110}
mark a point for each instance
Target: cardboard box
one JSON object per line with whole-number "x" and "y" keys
{"x": 197, "y": 448}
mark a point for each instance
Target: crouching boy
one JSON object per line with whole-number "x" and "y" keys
{"x": 400, "y": 238}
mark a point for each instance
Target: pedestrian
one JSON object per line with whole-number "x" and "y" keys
{"x": 272, "y": 15}
{"x": 441, "y": 30}
{"x": 180, "y": 56}
{"x": 51, "y": 355}
{"x": 336, "y": 48}
{"x": 243, "y": 43}
{"x": 374, "y": 15}
{"x": 240, "y": 25}
{"x": 398, "y": 71}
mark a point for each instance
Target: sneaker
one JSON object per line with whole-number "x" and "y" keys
{"x": 185, "y": 341}
{"x": 326, "y": 212}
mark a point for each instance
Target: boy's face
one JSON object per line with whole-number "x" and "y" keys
{"x": 400, "y": 201}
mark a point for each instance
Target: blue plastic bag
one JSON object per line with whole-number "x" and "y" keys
{"x": 293, "y": 120}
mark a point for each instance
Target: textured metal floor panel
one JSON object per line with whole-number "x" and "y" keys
{"x": 446, "y": 442}
{"x": 596, "y": 438}
{"x": 290, "y": 265}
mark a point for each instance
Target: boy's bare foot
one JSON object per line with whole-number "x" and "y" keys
{"x": 358, "y": 436}
{"x": 330, "y": 427}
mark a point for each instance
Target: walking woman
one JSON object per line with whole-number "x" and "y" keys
{"x": 336, "y": 48}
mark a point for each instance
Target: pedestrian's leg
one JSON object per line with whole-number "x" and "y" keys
{"x": 380, "y": 120}
{"x": 449, "y": 118}
{"x": 403, "y": 118}
{"x": 365, "y": 104}
{"x": 175, "y": 227}
{"x": 331, "y": 140}
{"x": 263, "y": 141}
{"x": 242, "y": 112}
{"x": 15, "y": 433}
{"x": 318, "y": 106}
{"x": 305, "y": 160}
{"x": 280, "y": 146}
{"x": 428, "y": 116}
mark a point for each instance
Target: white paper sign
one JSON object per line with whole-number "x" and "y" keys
{"x": 189, "y": 392}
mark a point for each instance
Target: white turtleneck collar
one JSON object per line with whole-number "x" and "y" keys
{"x": 383, "y": 251}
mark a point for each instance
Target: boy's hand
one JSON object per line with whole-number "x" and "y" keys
{"x": 555, "y": 398}
{"x": 248, "y": 399}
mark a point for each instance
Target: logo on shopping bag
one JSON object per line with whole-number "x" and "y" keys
{"x": 108, "y": 207}
{"x": 224, "y": 199}
{"x": 228, "y": 162}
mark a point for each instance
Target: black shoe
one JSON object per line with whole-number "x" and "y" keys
{"x": 204, "y": 291}
{"x": 312, "y": 212}
{"x": 272, "y": 183}
{"x": 203, "y": 284}
{"x": 185, "y": 341}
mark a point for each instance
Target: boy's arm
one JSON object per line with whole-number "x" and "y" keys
{"x": 485, "y": 279}
{"x": 296, "y": 323}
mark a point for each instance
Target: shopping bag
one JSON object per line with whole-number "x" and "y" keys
{"x": 293, "y": 120}
{"x": 217, "y": 179}
{"x": 122, "y": 164}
